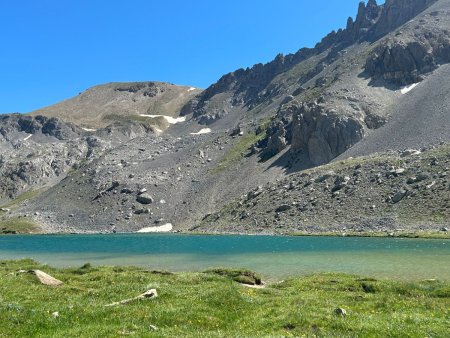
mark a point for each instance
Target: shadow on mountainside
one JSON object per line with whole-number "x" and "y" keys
{"x": 290, "y": 162}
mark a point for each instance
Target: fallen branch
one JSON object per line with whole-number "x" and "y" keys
{"x": 150, "y": 294}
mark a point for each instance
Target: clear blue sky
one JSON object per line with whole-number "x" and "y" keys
{"x": 53, "y": 49}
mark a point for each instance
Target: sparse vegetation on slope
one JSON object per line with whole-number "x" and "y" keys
{"x": 18, "y": 225}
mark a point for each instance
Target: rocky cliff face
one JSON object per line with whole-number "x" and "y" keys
{"x": 404, "y": 59}
{"x": 323, "y": 134}
{"x": 397, "y": 12}
{"x": 314, "y": 130}
{"x": 39, "y": 151}
{"x": 11, "y": 124}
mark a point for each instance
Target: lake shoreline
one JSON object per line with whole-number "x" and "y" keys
{"x": 383, "y": 234}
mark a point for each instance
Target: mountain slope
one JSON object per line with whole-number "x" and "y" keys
{"x": 102, "y": 105}
{"x": 418, "y": 119}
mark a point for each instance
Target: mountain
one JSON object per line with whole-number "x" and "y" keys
{"x": 102, "y": 105}
{"x": 351, "y": 135}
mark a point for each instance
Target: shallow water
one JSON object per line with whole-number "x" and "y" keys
{"x": 275, "y": 257}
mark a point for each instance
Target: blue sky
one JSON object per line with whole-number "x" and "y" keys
{"x": 53, "y": 49}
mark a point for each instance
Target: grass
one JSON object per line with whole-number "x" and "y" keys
{"x": 237, "y": 152}
{"x": 244, "y": 143}
{"x": 213, "y": 305}
{"x": 22, "y": 198}
{"x": 18, "y": 226}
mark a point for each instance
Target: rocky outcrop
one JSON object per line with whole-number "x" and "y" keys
{"x": 313, "y": 129}
{"x": 36, "y": 151}
{"x": 397, "y": 12}
{"x": 404, "y": 62}
{"x": 276, "y": 140}
{"x": 323, "y": 134}
{"x": 38, "y": 124}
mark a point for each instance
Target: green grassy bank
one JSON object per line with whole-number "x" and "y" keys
{"x": 214, "y": 304}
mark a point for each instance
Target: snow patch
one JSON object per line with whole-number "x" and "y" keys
{"x": 28, "y": 137}
{"x": 163, "y": 228}
{"x": 88, "y": 129}
{"x": 191, "y": 89}
{"x": 203, "y": 131}
{"x": 408, "y": 89}
{"x": 170, "y": 119}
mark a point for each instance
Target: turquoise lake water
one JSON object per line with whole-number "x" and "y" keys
{"x": 275, "y": 257}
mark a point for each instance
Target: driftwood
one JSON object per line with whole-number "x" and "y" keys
{"x": 150, "y": 294}
{"x": 45, "y": 278}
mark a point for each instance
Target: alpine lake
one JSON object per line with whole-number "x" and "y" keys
{"x": 274, "y": 257}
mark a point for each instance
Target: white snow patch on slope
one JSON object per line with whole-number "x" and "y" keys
{"x": 163, "y": 228}
{"x": 191, "y": 89}
{"x": 28, "y": 137}
{"x": 170, "y": 119}
{"x": 408, "y": 89}
{"x": 202, "y": 132}
{"x": 88, "y": 129}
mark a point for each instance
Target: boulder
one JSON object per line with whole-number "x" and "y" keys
{"x": 46, "y": 279}
{"x": 144, "y": 198}
{"x": 283, "y": 208}
{"x": 340, "y": 183}
{"x": 255, "y": 193}
{"x": 398, "y": 196}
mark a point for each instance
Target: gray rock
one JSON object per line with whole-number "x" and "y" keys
{"x": 410, "y": 152}
{"x": 237, "y": 131}
{"x": 398, "y": 171}
{"x": 255, "y": 193}
{"x": 144, "y": 199}
{"x": 422, "y": 177}
{"x": 142, "y": 211}
{"x": 283, "y": 208}
{"x": 276, "y": 141}
{"x": 340, "y": 183}
{"x": 324, "y": 177}
{"x": 398, "y": 196}
{"x": 411, "y": 180}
